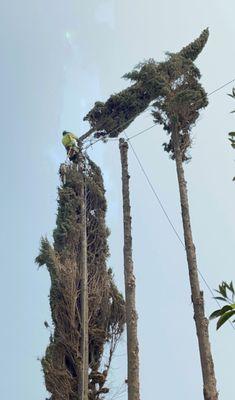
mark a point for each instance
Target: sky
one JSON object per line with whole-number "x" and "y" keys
{"x": 57, "y": 59}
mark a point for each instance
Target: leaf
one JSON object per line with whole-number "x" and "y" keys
{"x": 224, "y": 318}
{"x": 233, "y": 145}
{"x": 215, "y": 314}
{"x": 222, "y": 288}
{"x": 225, "y": 284}
{"x": 218, "y": 291}
{"x": 231, "y": 287}
{"x": 222, "y": 311}
{"x": 231, "y": 95}
{"x": 231, "y": 133}
{"x": 227, "y": 308}
{"x": 220, "y": 298}
{"x": 231, "y": 112}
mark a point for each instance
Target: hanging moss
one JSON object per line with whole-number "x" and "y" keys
{"x": 106, "y": 305}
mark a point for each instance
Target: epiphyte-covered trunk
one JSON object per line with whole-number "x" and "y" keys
{"x": 63, "y": 362}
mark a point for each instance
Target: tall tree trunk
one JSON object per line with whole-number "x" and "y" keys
{"x": 131, "y": 314}
{"x": 83, "y": 395}
{"x": 207, "y": 365}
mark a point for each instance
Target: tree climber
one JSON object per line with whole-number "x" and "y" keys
{"x": 71, "y": 143}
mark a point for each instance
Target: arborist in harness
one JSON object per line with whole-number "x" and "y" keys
{"x": 71, "y": 143}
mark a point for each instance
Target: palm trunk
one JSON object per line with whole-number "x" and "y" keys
{"x": 207, "y": 365}
{"x": 83, "y": 395}
{"x": 131, "y": 314}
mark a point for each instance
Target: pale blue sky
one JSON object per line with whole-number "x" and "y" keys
{"x": 57, "y": 58}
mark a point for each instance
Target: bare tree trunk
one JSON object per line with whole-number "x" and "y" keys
{"x": 207, "y": 365}
{"x": 131, "y": 314}
{"x": 86, "y": 135}
{"x": 83, "y": 395}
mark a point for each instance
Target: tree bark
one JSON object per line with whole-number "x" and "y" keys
{"x": 207, "y": 365}
{"x": 83, "y": 392}
{"x": 131, "y": 314}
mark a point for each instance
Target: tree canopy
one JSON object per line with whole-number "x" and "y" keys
{"x": 150, "y": 83}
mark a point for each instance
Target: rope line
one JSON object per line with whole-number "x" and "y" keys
{"x": 169, "y": 219}
{"x": 155, "y": 192}
{"x": 221, "y": 87}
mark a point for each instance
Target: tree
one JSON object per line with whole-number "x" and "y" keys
{"x": 177, "y": 110}
{"x": 131, "y": 314}
{"x": 173, "y": 86}
{"x": 63, "y": 363}
{"x": 110, "y": 118}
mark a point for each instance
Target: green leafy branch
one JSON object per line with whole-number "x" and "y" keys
{"x": 226, "y": 294}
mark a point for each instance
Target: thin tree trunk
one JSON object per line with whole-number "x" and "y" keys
{"x": 86, "y": 135}
{"x": 83, "y": 395}
{"x": 207, "y": 365}
{"x": 131, "y": 314}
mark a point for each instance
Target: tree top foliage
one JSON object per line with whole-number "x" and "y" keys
{"x": 150, "y": 80}
{"x": 177, "y": 109}
{"x": 193, "y": 50}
